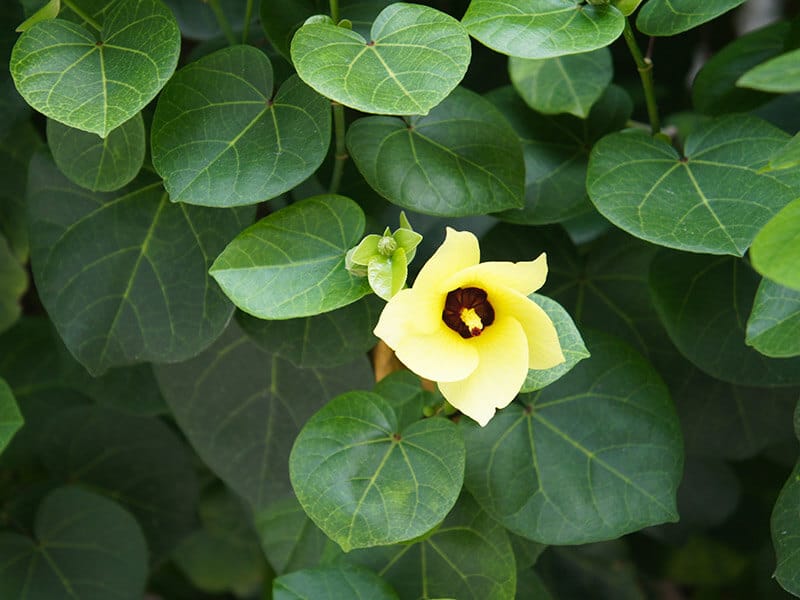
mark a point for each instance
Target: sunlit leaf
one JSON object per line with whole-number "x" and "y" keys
{"x": 773, "y": 327}
{"x": 776, "y": 249}
{"x": 780, "y": 74}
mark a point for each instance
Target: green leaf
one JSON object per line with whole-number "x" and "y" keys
{"x": 668, "y": 17}
{"x": 714, "y": 88}
{"x": 222, "y": 138}
{"x": 327, "y": 340}
{"x": 556, "y": 152}
{"x": 787, "y": 157}
{"x": 328, "y": 583}
{"x": 291, "y": 263}
{"x": 48, "y": 11}
{"x": 776, "y": 249}
{"x": 571, "y": 344}
{"x": 281, "y": 19}
{"x": 97, "y": 164}
{"x": 197, "y": 20}
{"x": 785, "y": 527}
{"x": 404, "y": 392}
{"x": 780, "y": 74}
{"x": 241, "y": 408}
{"x": 542, "y": 28}
{"x": 773, "y": 327}
{"x": 569, "y": 84}
{"x": 414, "y": 58}
{"x": 387, "y": 274}
{"x": 591, "y": 457}
{"x": 137, "y": 461}
{"x": 461, "y": 159}
{"x": 124, "y": 275}
{"x": 10, "y": 418}
{"x": 530, "y": 585}
{"x": 713, "y": 200}
{"x": 365, "y": 482}
{"x": 704, "y": 302}
{"x": 85, "y": 547}
{"x": 13, "y": 284}
{"x": 97, "y": 83}
{"x": 16, "y": 150}
{"x": 467, "y": 556}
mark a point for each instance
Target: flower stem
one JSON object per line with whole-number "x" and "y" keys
{"x": 248, "y": 15}
{"x": 341, "y": 149}
{"x": 645, "y": 68}
{"x": 223, "y": 22}
{"x": 335, "y": 10}
{"x": 89, "y": 20}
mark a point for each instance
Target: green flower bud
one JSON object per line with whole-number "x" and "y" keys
{"x": 387, "y": 245}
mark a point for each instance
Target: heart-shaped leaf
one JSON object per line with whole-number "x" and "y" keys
{"x": 543, "y": 28}
{"x": 774, "y": 324}
{"x": 568, "y": 84}
{"x": 711, "y": 200}
{"x": 97, "y": 83}
{"x": 786, "y": 527}
{"x": 10, "y": 418}
{"x": 291, "y": 263}
{"x": 668, "y": 17}
{"x": 126, "y": 294}
{"x": 86, "y": 547}
{"x": 556, "y": 152}
{"x": 221, "y": 138}
{"x": 328, "y": 583}
{"x": 780, "y": 74}
{"x": 461, "y": 159}
{"x": 100, "y": 165}
{"x": 414, "y": 59}
{"x": 776, "y": 249}
{"x": 592, "y": 456}
{"x": 364, "y": 482}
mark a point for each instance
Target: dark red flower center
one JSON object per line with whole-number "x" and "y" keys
{"x": 467, "y": 311}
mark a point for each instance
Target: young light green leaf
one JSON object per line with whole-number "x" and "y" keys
{"x": 48, "y": 11}
{"x": 10, "y": 418}
{"x": 85, "y": 546}
{"x": 787, "y": 157}
{"x": 387, "y": 274}
{"x": 97, "y": 83}
{"x": 124, "y": 275}
{"x": 291, "y": 263}
{"x": 221, "y": 137}
{"x": 774, "y": 324}
{"x": 704, "y": 301}
{"x": 365, "y": 482}
{"x": 414, "y": 58}
{"x": 329, "y": 582}
{"x": 98, "y": 164}
{"x": 668, "y": 17}
{"x": 593, "y": 456}
{"x": 556, "y": 153}
{"x": 712, "y": 200}
{"x": 13, "y": 283}
{"x": 569, "y": 84}
{"x": 461, "y": 159}
{"x": 543, "y": 28}
{"x": 780, "y": 74}
{"x": 776, "y": 249}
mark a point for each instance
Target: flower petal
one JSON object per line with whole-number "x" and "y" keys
{"x": 459, "y": 251}
{"x": 544, "y": 348}
{"x": 409, "y": 311}
{"x": 500, "y": 374}
{"x": 440, "y": 356}
{"x": 524, "y": 277}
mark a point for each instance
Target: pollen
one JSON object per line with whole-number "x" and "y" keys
{"x": 472, "y": 320}
{"x": 467, "y": 311}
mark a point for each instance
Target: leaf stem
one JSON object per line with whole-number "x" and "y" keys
{"x": 335, "y": 10}
{"x": 645, "y": 68}
{"x": 341, "y": 155}
{"x": 89, "y": 20}
{"x": 248, "y": 15}
{"x": 223, "y": 22}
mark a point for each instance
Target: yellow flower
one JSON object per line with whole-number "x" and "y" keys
{"x": 471, "y": 327}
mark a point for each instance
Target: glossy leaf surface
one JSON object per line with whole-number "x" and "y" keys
{"x": 773, "y": 327}
{"x": 668, "y": 17}
{"x": 776, "y": 249}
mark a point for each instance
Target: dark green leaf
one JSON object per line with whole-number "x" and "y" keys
{"x": 10, "y": 418}
{"x": 86, "y": 547}
{"x": 365, "y": 482}
{"x": 569, "y": 84}
{"x": 773, "y": 327}
{"x": 242, "y": 407}
{"x": 100, "y": 165}
{"x": 556, "y": 151}
{"x": 530, "y": 585}
{"x": 97, "y": 83}
{"x": 197, "y": 20}
{"x": 291, "y": 263}
{"x": 124, "y": 275}
{"x": 703, "y": 561}
{"x": 704, "y": 302}
{"x": 414, "y": 58}
{"x": 785, "y": 527}
{"x": 543, "y": 28}
{"x": 13, "y": 283}
{"x": 16, "y": 150}
{"x": 461, "y": 159}
{"x": 137, "y": 461}
{"x": 776, "y": 249}
{"x": 221, "y": 137}
{"x": 668, "y": 17}
{"x": 328, "y": 583}
{"x": 404, "y": 392}
{"x": 780, "y": 74}
{"x": 713, "y": 200}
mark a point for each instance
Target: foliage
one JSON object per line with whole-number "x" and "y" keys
{"x": 197, "y": 242}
